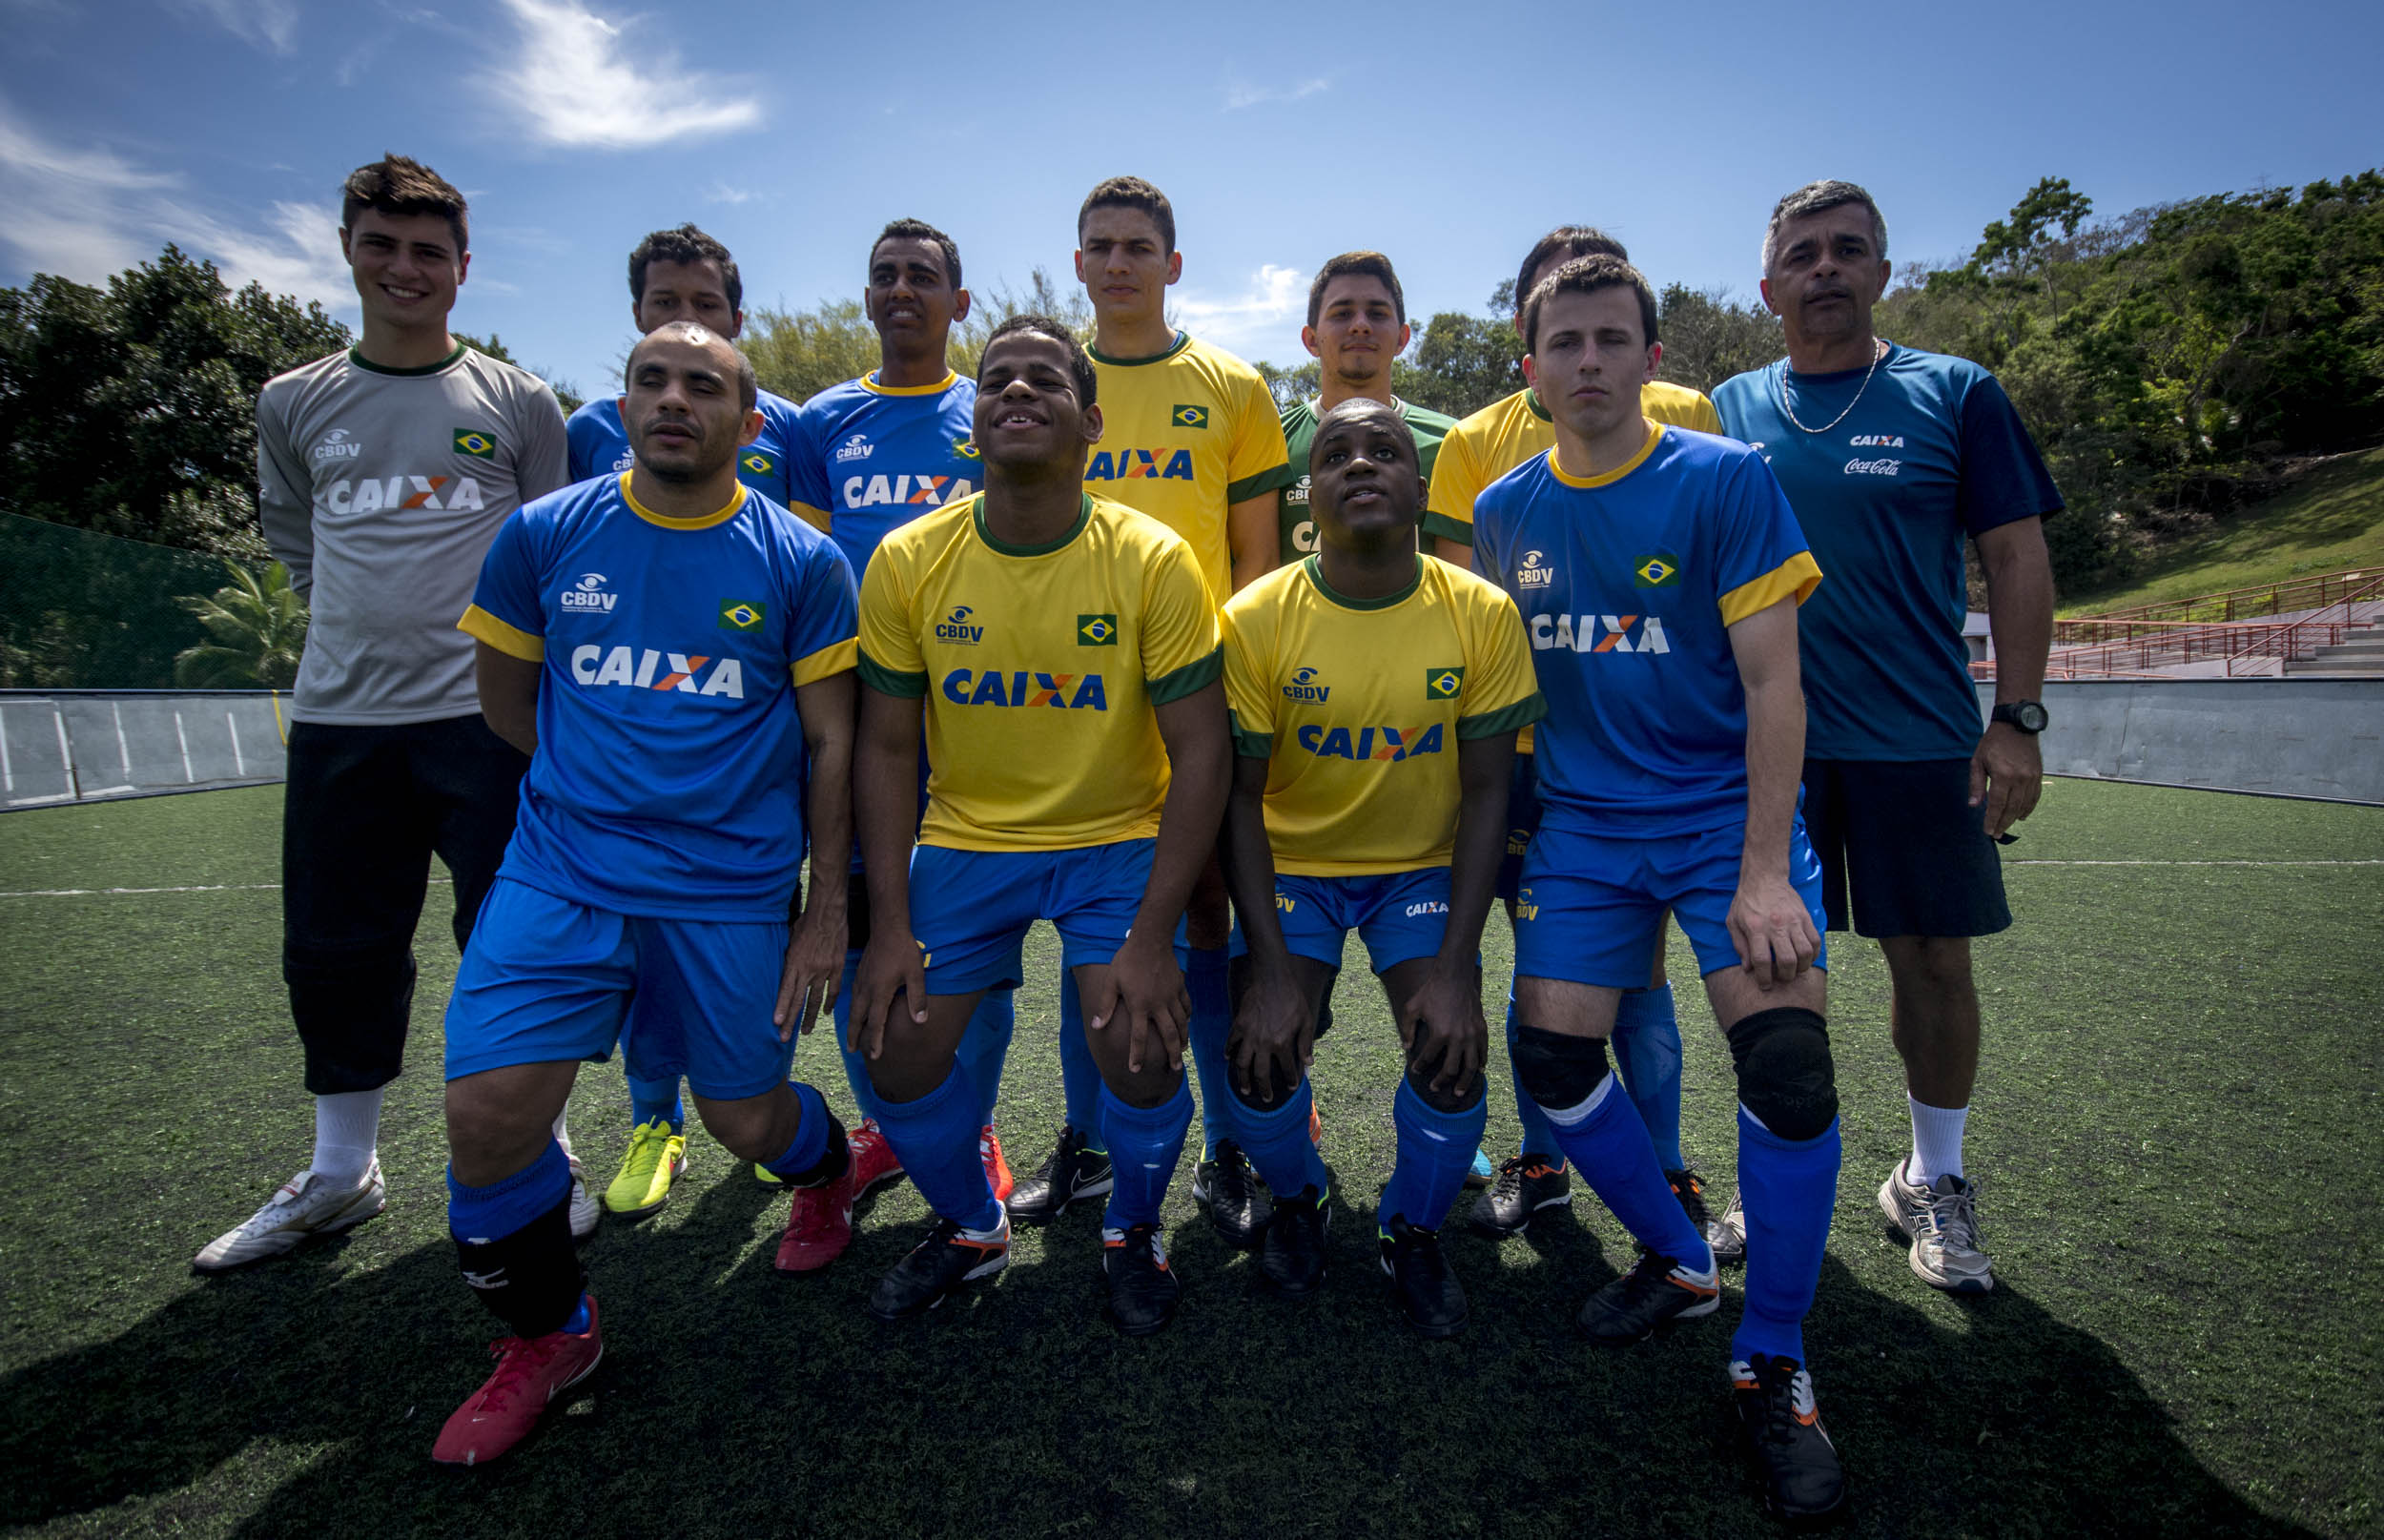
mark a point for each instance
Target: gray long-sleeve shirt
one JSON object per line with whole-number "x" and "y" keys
{"x": 381, "y": 491}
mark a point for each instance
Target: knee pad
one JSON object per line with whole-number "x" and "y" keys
{"x": 1785, "y": 1077}
{"x": 1557, "y": 1071}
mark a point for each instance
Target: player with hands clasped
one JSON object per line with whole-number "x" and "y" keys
{"x": 1658, "y": 573}
{"x": 675, "y": 653}
{"x": 1059, "y": 653}
{"x": 1375, "y": 697}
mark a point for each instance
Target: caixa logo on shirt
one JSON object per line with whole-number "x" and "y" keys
{"x": 374, "y": 495}
{"x": 1597, "y": 633}
{"x": 1876, "y": 440}
{"x": 654, "y": 669}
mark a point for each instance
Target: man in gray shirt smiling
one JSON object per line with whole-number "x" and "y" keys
{"x": 383, "y": 474}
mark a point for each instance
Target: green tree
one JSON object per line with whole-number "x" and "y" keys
{"x": 1462, "y": 364}
{"x": 1708, "y": 337}
{"x": 800, "y": 353}
{"x": 566, "y": 393}
{"x": 256, "y": 629}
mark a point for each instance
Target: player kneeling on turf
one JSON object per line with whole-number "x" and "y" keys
{"x": 672, "y": 648}
{"x": 1658, "y": 572}
{"x": 1062, "y": 652}
{"x": 1375, "y": 697}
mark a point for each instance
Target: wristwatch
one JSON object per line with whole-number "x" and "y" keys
{"x": 2028, "y": 716}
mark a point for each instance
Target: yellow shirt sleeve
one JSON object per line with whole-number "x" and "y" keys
{"x": 889, "y": 661}
{"x": 1795, "y": 578}
{"x": 1261, "y": 457}
{"x": 1247, "y": 700}
{"x": 1456, "y": 482}
{"x": 510, "y": 640}
{"x": 1180, "y": 649}
{"x": 1502, "y": 690}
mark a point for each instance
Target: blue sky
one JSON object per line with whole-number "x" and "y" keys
{"x": 1448, "y": 135}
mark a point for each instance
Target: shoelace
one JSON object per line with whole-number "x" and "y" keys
{"x": 1510, "y": 1179}
{"x": 647, "y": 1143}
{"x": 1955, "y": 1217}
{"x": 517, "y": 1358}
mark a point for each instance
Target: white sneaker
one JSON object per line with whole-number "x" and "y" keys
{"x": 585, "y": 1210}
{"x": 1941, "y": 1221}
{"x": 306, "y": 1204}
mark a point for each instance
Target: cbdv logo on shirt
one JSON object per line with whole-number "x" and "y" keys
{"x": 586, "y": 593}
{"x": 1536, "y": 571}
{"x": 956, "y": 629}
{"x": 1307, "y": 686}
{"x": 856, "y": 448}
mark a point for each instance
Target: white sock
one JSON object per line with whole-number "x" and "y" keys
{"x": 347, "y": 1130}
{"x": 1936, "y": 1143}
{"x": 563, "y": 1135}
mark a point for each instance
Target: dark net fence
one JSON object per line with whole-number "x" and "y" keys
{"x": 82, "y": 610}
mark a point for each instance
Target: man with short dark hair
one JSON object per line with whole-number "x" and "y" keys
{"x": 685, "y": 742}
{"x": 1658, "y": 572}
{"x": 383, "y": 473}
{"x": 1892, "y": 456}
{"x": 1060, "y": 651}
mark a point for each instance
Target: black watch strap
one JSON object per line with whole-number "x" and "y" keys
{"x": 2027, "y": 716}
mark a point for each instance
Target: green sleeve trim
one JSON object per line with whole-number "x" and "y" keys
{"x": 887, "y": 681}
{"x": 1266, "y": 481}
{"x": 1247, "y": 744}
{"x": 1507, "y": 719}
{"x": 1189, "y": 679}
{"x": 1439, "y": 526}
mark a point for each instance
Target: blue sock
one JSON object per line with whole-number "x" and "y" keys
{"x": 579, "y": 1316}
{"x": 1080, "y": 1077}
{"x": 1145, "y": 1144}
{"x": 935, "y": 1137}
{"x": 1610, "y": 1145}
{"x": 650, "y": 1100}
{"x": 811, "y": 1135}
{"x": 985, "y": 1048}
{"x": 1278, "y": 1141}
{"x": 1539, "y": 1138}
{"x": 1435, "y": 1152}
{"x": 1646, "y": 1052}
{"x": 1212, "y": 1023}
{"x": 1790, "y": 1189}
{"x": 855, "y": 1065}
{"x": 481, "y": 1214}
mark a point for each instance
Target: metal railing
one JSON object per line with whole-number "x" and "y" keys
{"x": 2319, "y": 591}
{"x": 2107, "y": 648}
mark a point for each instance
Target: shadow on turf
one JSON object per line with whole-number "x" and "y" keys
{"x": 732, "y": 1400}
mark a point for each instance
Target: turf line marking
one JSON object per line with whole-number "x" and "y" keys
{"x": 214, "y": 887}
{"x": 2050, "y": 862}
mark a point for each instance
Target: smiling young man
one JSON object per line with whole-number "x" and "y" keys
{"x": 1192, "y": 440}
{"x": 685, "y": 741}
{"x": 384, "y": 472}
{"x": 1658, "y": 573}
{"x": 1074, "y": 724}
{"x": 1476, "y": 452}
{"x": 1375, "y": 696}
{"x": 879, "y": 451}
{"x": 1892, "y": 456}
{"x": 680, "y": 275}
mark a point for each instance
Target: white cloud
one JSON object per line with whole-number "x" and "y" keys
{"x": 1237, "y": 97}
{"x": 270, "y": 24}
{"x": 1263, "y": 318}
{"x": 723, "y": 193}
{"x": 579, "y": 86}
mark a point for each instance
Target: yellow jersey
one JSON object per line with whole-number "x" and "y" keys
{"x": 1359, "y": 704}
{"x": 1185, "y": 436}
{"x": 1503, "y": 434}
{"x": 1039, "y": 667}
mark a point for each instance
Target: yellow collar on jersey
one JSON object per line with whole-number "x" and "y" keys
{"x": 869, "y": 382}
{"x": 665, "y": 521}
{"x": 1654, "y": 436}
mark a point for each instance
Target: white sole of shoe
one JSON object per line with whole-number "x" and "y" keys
{"x": 284, "y": 1242}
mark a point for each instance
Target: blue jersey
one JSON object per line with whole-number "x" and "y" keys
{"x": 1628, "y": 584}
{"x": 1931, "y": 452}
{"x": 879, "y": 455}
{"x": 667, "y": 780}
{"x": 601, "y": 448}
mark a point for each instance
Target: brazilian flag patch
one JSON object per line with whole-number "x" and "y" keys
{"x": 1189, "y": 416}
{"x": 1096, "y": 631}
{"x": 965, "y": 448}
{"x": 474, "y": 442}
{"x": 759, "y": 464}
{"x": 1661, "y": 570}
{"x": 740, "y": 615}
{"x": 1443, "y": 683}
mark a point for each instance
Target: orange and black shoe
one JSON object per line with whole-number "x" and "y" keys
{"x": 1143, "y": 1290}
{"x": 1526, "y": 1185}
{"x": 1690, "y": 1188}
{"x": 997, "y": 1168}
{"x": 949, "y": 1259}
{"x": 1648, "y": 1298}
{"x": 1788, "y": 1451}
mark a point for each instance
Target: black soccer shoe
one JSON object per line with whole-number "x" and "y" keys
{"x": 1788, "y": 1451}
{"x": 1649, "y": 1296}
{"x": 1690, "y": 1188}
{"x": 1070, "y": 1173}
{"x": 1142, "y": 1289}
{"x": 1292, "y": 1254}
{"x": 1526, "y": 1185}
{"x": 1430, "y": 1295}
{"x": 1230, "y": 1189}
{"x": 938, "y": 1267}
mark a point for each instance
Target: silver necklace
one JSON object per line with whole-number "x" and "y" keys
{"x": 1878, "y": 351}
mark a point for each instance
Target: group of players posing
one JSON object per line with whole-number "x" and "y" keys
{"x": 1124, "y": 637}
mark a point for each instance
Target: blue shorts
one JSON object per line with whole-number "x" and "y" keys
{"x": 546, "y": 980}
{"x": 1398, "y": 914}
{"x": 1523, "y": 821}
{"x": 970, "y": 910}
{"x": 1592, "y": 907}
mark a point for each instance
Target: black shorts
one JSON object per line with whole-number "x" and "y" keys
{"x": 363, "y": 811}
{"x": 1901, "y": 839}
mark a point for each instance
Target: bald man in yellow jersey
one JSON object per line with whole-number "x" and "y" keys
{"x": 1476, "y": 452}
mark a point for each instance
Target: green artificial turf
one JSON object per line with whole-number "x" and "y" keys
{"x": 2177, "y": 1135}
